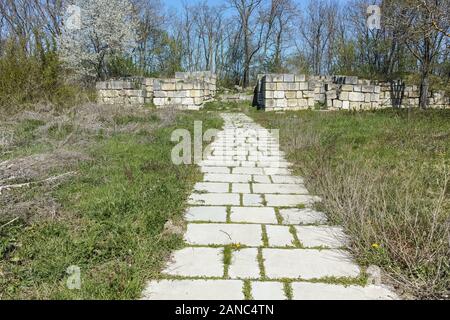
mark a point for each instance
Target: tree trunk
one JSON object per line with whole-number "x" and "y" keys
{"x": 424, "y": 86}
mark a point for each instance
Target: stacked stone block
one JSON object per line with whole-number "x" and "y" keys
{"x": 121, "y": 92}
{"x": 285, "y": 91}
{"x": 351, "y": 93}
{"x": 188, "y": 90}
{"x": 187, "y": 94}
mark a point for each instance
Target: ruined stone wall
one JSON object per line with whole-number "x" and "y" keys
{"x": 188, "y": 90}
{"x": 131, "y": 91}
{"x": 294, "y": 92}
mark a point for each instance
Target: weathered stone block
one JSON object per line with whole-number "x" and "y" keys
{"x": 356, "y": 96}
{"x": 101, "y": 85}
{"x": 347, "y": 87}
{"x": 167, "y": 86}
{"x": 282, "y": 86}
{"x": 351, "y": 80}
{"x": 292, "y": 103}
{"x": 294, "y": 86}
{"x": 288, "y": 78}
{"x": 160, "y": 94}
{"x": 187, "y": 101}
{"x": 277, "y": 78}
{"x": 300, "y": 78}
{"x": 303, "y": 86}
{"x": 337, "y": 104}
{"x": 271, "y": 86}
{"x": 160, "y": 101}
{"x": 368, "y": 89}
{"x": 346, "y": 105}
{"x": 278, "y": 94}
{"x": 281, "y": 103}
{"x": 291, "y": 94}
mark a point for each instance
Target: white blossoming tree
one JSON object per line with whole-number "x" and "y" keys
{"x": 95, "y": 32}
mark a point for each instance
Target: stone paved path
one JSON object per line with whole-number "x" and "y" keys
{"x": 252, "y": 233}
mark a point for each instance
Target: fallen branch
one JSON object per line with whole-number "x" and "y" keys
{"x": 22, "y": 185}
{"x": 8, "y": 223}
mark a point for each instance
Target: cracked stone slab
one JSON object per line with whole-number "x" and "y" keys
{"x": 309, "y": 264}
{"x": 302, "y": 216}
{"x": 207, "y": 214}
{"x": 279, "y": 236}
{"x": 276, "y": 170}
{"x": 215, "y": 170}
{"x": 230, "y": 178}
{"x": 287, "y": 179}
{"x": 322, "y": 236}
{"x": 242, "y": 170}
{"x": 244, "y": 264}
{"x": 196, "y": 262}
{"x": 253, "y": 215}
{"x": 261, "y": 179}
{"x": 214, "y": 199}
{"x": 287, "y": 200}
{"x": 223, "y": 234}
{"x": 253, "y": 200}
{"x": 276, "y": 188}
{"x": 212, "y": 187}
{"x": 272, "y": 291}
{"x": 324, "y": 291}
{"x": 240, "y": 188}
{"x": 194, "y": 290}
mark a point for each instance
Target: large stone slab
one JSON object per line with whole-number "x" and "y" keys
{"x": 279, "y": 236}
{"x": 217, "y": 177}
{"x": 323, "y": 291}
{"x": 287, "y": 179}
{"x": 296, "y": 216}
{"x": 206, "y": 214}
{"x": 194, "y": 290}
{"x": 308, "y": 264}
{"x": 196, "y": 262}
{"x": 214, "y": 199}
{"x": 284, "y": 200}
{"x": 240, "y": 188}
{"x": 215, "y": 170}
{"x": 244, "y": 264}
{"x": 242, "y": 170}
{"x": 268, "y": 291}
{"x": 253, "y": 200}
{"x": 321, "y": 236}
{"x": 261, "y": 179}
{"x": 223, "y": 234}
{"x": 253, "y": 215}
{"x": 212, "y": 187}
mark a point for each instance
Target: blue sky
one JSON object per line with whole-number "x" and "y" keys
{"x": 178, "y": 4}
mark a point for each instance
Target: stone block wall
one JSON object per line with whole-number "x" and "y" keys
{"x": 188, "y": 90}
{"x": 293, "y": 92}
{"x": 121, "y": 92}
{"x": 285, "y": 91}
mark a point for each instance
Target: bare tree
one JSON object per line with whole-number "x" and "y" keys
{"x": 422, "y": 34}
{"x": 251, "y": 20}
{"x": 317, "y": 26}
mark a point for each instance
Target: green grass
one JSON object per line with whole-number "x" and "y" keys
{"x": 247, "y": 290}
{"x": 111, "y": 222}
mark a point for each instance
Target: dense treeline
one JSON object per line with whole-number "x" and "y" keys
{"x": 41, "y": 50}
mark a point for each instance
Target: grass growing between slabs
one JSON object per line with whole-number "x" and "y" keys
{"x": 383, "y": 175}
{"x": 110, "y": 218}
